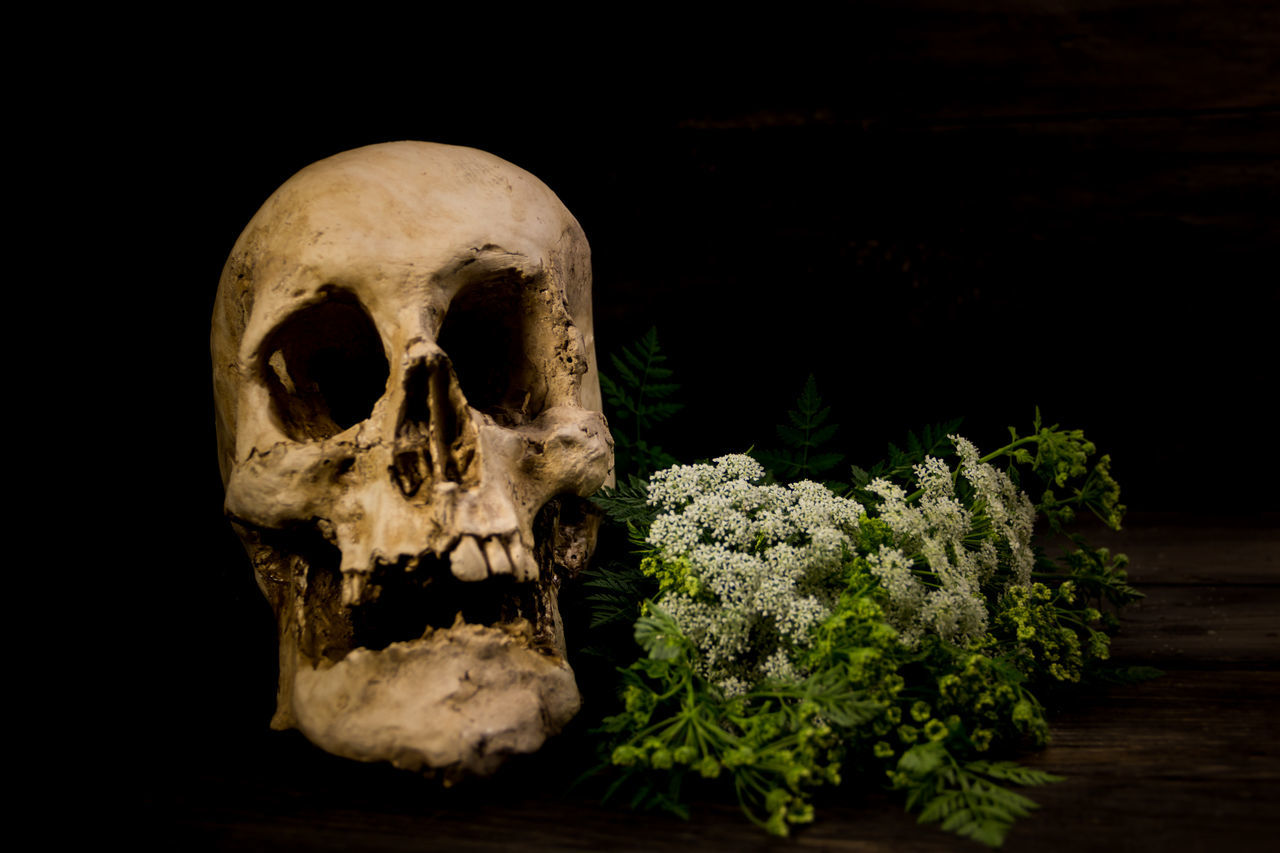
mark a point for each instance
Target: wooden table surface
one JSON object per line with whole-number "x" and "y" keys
{"x": 1189, "y": 761}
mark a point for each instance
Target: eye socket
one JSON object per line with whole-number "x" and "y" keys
{"x": 491, "y": 343}
{"x": 325, "y": 368}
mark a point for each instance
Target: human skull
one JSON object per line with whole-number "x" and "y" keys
{"x": 408, "y": 421}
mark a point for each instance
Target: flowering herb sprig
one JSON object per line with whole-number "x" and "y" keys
{"x": 903, "y": 630}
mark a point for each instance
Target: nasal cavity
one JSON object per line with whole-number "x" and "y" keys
{"x": 432, "y": 442}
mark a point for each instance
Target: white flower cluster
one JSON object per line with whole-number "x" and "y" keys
{"x": 758, "y": 557}
{"x": 934, "y": 529}
{"x": 1011, "y": 512}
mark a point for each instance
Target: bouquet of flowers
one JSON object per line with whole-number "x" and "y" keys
{"x": 901, "y": 628}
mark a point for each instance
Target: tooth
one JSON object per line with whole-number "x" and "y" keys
{"x": 499, "y": 562}
{"x": 519, "y": 628}
{"x": 526, "y": 567}
{"x": 352, "y": 588}
{"x": 327, "y": 530}
{"x": 467, "y": 562}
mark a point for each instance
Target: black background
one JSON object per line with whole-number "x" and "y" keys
{"x": 937, "y": 208}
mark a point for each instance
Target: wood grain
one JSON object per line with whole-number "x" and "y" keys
{"x": 1186, "y": 762}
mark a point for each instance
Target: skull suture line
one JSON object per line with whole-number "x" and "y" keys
{"x": 408, "y": 421}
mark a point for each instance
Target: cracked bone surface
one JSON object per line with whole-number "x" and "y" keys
{"x": 408, "y": 423}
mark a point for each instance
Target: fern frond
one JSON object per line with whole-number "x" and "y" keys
{"x": 638, "y": 397}
{"x": 1011, "y": 771}
{"x": 617, "y": 590}
{"x": 660, "y": 390}
{"x": 627, "y": 503}
{"x": 630, "y": 377}
{"x": 898, "y": 462}
{"x": 804, "y": 454}
{"x": 966, "y": 798}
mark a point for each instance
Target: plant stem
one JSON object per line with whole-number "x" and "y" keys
{"x": 1024, "y": 440}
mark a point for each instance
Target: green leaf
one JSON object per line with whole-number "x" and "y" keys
{"x": 616, "y": 590}
{"x": 659, "y": 635}
{"x": 664, "y": 390}
{"x": 805, "y": 454}
{"x": 1011, "y": 771}
{"x": 963, "y": 798}
{"x": 941, "y": 807}
{"x": 923, "y": 758}
{"x": 628, "y": 502}
{"x": 630, "y": 378}
{"x": 822, "y": 435}
{"x": 897, "y": 464}
{"x": 638, "y": 397}
{"x": 820, "y": 462}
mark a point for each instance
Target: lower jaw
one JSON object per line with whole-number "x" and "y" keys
{"x": 457, "y": 702}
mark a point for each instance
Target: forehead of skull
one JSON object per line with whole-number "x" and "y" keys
{"x": 397, "y": 225}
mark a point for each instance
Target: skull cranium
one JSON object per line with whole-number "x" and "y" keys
{"x": 408, "y": 422}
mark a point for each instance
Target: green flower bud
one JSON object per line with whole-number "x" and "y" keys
{"x": 794, "y": 775}
{"x": 625, "y": 755}
{"x": 800, "y": 812}
{"x": 777, "y": 799}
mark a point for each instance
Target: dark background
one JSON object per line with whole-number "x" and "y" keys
{"x": 938, "y": 208}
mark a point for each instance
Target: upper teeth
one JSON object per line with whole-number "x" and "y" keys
{"x": 472, "y": 561}
{"x": 467, "y": 561}
{"x": 353, "y": 586}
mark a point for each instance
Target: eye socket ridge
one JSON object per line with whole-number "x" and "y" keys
{"x": 325, "y": 367}
{"x": 494, "y": 333}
